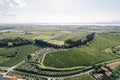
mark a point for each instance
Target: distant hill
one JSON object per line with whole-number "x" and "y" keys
{"x": 109, "y": 22}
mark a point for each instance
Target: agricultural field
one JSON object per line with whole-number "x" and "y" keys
{"x": 82, "y": 77}
{"x": 51, "y": 37}
{"x": 5, "y": 53}
{"x": 59, "y": 38}
{"x": 85, "y": 55}
{"x": 15, "y": 35}
{"x": 104, "y": 41}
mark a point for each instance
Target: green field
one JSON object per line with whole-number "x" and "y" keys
{"x": 82, "y": 77}
{"x": 51, "y": 37}
{"x": 59, "y": 38}
{"x": 23, "y": 52}
{"x": 14, "y": 35}
{"x": 104, "y": 41}
{"x": 2, "y": 59}
{"x": 85, "y": 56}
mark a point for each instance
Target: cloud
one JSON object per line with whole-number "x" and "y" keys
{"x": 9, "y": 14}
{"x": 16, "y": 3}
{"x": 1, "y": 2}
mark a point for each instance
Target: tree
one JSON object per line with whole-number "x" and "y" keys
{"x": 29, "y": 57}
{"x": 16, "y": 52}
{"x": 90, "y": 36}
{"x": 69, "y": 41}
{"x": 14, "y": 42}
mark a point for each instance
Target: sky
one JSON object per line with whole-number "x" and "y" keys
{"x": 59, "y": 11}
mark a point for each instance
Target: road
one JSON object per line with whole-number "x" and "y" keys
{"x": 62, "y": 77}
{"x": 42, "y": 51}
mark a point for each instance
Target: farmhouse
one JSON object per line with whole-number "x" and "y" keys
{"x": 100, "y": 76}
{"x": 103, "y": 73}
{"x": 118, "y": 52}
{"x": 107, "y": 72}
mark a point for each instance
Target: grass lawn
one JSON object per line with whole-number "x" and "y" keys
{"x": 23, "y": 52}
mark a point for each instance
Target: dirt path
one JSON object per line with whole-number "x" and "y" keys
{"x": 114, "y": 65}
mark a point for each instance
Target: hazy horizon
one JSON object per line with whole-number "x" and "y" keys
{"x": 60, "y": 11}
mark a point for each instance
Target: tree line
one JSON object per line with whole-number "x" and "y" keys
{"x": 69, "y": 43}
{"x": 14, "y": 42}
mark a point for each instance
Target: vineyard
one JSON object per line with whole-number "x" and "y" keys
{"x": 84, "y": 55}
